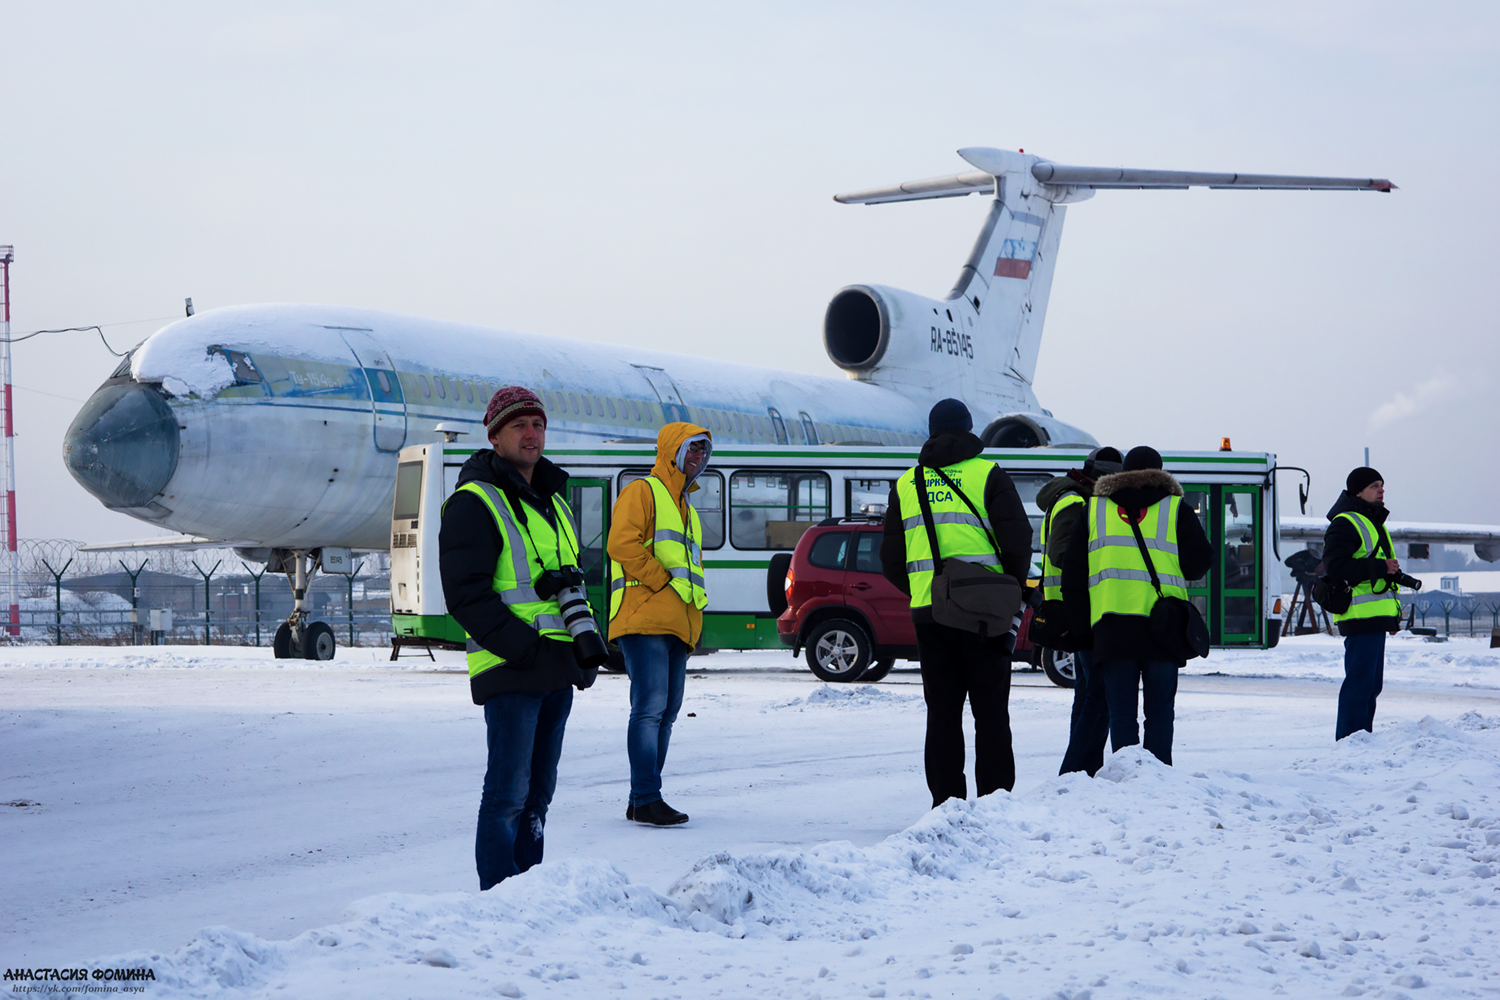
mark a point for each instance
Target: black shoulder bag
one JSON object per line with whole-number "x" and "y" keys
{"x": 966, "y": 595}
{"x": 1176, "y": 624}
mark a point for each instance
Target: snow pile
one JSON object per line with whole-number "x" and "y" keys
{"x": 1367, "y": 869}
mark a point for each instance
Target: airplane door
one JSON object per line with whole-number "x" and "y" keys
{"x": 589, "y": 501}
{"x": 666, "y": 392}
{"x": 387, "y": 403}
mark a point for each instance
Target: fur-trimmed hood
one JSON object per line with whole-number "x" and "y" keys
{"x": 1139, "y": 479}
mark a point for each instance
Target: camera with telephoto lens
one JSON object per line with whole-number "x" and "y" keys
{"x": 566, "y": 585}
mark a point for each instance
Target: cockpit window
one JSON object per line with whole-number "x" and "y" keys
{"x": 245, "y": 372}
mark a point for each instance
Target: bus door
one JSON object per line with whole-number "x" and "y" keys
{"x": 1229, "y": 596}
{"x": 589, "y": 500}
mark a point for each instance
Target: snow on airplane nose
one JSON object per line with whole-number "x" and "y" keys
{"x": 123, "y": 445}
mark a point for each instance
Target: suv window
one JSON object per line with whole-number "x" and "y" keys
{"x": 829, "y": 551}
{"x": 867, "y": 552}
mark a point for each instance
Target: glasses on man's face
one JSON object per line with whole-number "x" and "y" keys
{"x": 696, "y": 448}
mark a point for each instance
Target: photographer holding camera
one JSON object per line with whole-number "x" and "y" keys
{"x": 656, "y": 601}
{"x": 509, "y": 564}
{"x": 1357, "y": 552}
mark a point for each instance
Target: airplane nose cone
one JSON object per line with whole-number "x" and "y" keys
{"x": 123, "y": 445}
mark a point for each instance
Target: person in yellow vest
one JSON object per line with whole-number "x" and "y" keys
{"x": 983, "y": 522}
{"x": 1063, "y": 501}
{"x": 1107, "y": 588}
{"x": 503, "y": 529}
{"x": 1357, "y": 550}
{"x": 656, "y": 602}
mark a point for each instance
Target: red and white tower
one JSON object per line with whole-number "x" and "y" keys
{"x": 12, "y": 561}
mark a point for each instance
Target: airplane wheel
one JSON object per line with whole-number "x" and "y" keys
{"x": 282, "y": 644}
{"x": 318, "y": 642}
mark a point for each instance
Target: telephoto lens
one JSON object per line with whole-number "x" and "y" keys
{"x": 1409, "y": 582}
{"x": 588, "y": 644}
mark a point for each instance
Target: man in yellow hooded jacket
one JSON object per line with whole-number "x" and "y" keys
{"x": 656, "y": 603}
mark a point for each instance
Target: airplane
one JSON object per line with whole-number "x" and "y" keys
{"x": 274, "y": 429}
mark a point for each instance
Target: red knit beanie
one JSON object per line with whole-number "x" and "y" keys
{"x": 509, "y": 402}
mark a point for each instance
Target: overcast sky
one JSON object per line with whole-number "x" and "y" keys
{"x": 661, "y": 175}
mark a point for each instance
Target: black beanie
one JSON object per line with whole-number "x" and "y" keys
{"x": 1103, "y": 462}
{"x": 949, "y": 415}
{"x": 1360, "y": 478}
{"x": 1142, "y": 457}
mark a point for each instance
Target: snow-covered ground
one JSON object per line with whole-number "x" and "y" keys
{"x": 247, "y": 830}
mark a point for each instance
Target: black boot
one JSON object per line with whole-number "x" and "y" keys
{"x": 658, "y": 813}
{"x": 629, "y": 811}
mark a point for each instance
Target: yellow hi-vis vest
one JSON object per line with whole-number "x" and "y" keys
{"x": 1051, "y": 572}
{"x": 1119, "y": 582}
{"x": 1367, "y": 601}
{"x": 675, "y": 545}
{"x": 960, "y": 535}
{"x": 529, "y": 551}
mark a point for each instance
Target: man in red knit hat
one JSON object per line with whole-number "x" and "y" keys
{"x": 504, "y": 529}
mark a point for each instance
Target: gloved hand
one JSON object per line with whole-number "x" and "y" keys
{"x": 589, "y": 675}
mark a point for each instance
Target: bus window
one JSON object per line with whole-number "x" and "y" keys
{"x": 707, "y": 500}
{"x": 858, "y": 492}
{"x": 408, "y": 491}
{"x": 1241, "y": 584}
{"x": 771, "y": 509}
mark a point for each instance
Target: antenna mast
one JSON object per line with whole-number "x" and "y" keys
{"x": 12, "y": 562}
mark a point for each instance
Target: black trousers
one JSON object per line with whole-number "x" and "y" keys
{"x": 957, "y": 665}
{"x": 1090, "y": 718}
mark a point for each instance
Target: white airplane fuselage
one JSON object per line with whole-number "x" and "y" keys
{"x": 299, "y": 451}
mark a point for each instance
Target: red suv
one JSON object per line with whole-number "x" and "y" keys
{"x": 833, "y": 601}
{"x": 837, "y": 605}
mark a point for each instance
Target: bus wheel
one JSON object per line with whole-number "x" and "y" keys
{"x": 877, "y": 670}
{"x": 1061, "y": 668}
{"x": 838, "y": 650}
{"x": 318, "y": 642}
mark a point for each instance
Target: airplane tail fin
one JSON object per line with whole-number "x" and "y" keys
{"x": 984, "y": 337}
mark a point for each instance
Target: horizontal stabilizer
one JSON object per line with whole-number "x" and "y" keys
{"x": 952, "y": 186}
{"x": 993, "y": 163}
{"x": 1129, "y": 177}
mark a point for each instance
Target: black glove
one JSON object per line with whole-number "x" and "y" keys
{"x": 589, "y": 675}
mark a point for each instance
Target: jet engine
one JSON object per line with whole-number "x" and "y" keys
{"x": 864, "y": 321}
{"x": 1034, "y": 430}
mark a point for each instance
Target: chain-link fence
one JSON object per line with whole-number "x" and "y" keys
{"x": 215, "y": 597}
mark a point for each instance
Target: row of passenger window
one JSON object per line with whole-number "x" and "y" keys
{"x": 768, "y": 509}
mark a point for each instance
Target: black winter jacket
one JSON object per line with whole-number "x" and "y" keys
{"x": 1060, "y": 532}
{"x": 1339, "y": 545}
{"x": 469, "y": 546}
{"x": 1128, "y": 637}
{"x": 1002, "y": 503}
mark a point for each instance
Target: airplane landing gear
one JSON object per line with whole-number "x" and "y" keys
{"x": 297, "y": 637}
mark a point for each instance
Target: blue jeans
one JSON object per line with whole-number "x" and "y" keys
{"x": 1364, "y": 676}
{"x": 657, "y": 665}
{"x": 1090, "y": 727}
{"x": 1158, "y": 678}
{"x": 525, "y": 741}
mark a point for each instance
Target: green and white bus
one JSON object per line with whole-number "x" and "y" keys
{"x": 756, "y": 501}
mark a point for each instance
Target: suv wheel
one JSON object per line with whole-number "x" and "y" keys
{"x": 1061, "y": 668}
{"x": 838, "y": 650}
{"x": 877, "y": 670}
